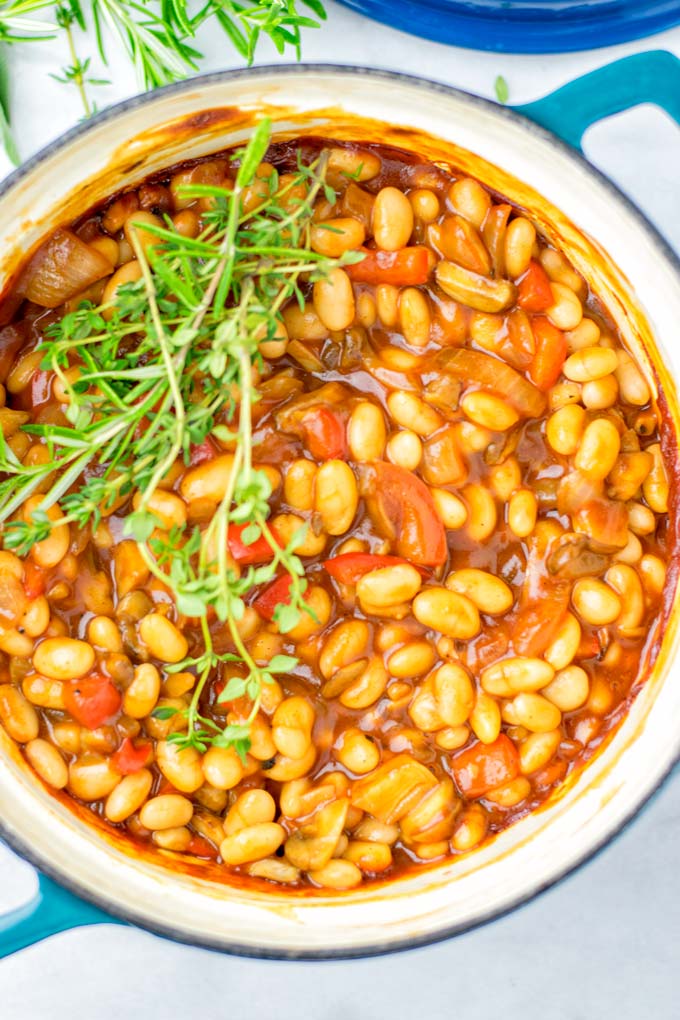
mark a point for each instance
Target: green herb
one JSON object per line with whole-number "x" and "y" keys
{"x": 16, "y": 27}
{"x": 5, "y": 131}
{"x": 171, "y": 365}
{"x": 76, "y": 73}
{"x": 17, "y": 24}
{"x": 501, "y": 87}
{"x": 158, "y": 36}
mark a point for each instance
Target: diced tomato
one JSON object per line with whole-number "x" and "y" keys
{"x": 402, "y": 508}
{"x": 259, "y": 551}
{"x": 200, "y": 847}
{"x": 407, "y": 267}
{"x": 92, "y": 701}
{"x": 551, "y": 353}
{"x": 534, "y": 290}
{"x": 277, "y": 592}
{"x": 128, "y": 758}
{"x": 324, "y": 433}
{"x": 348, "y": 568}
{"x": 199, "y": 453}
{"x": 35, "y": 579}
{"x": 538, "y": 622}
{"x": 483, "y": 767}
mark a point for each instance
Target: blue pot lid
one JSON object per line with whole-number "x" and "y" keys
{"x": 524, "y": 26}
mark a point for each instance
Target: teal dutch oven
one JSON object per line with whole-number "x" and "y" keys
{"x": 532, "y": 155}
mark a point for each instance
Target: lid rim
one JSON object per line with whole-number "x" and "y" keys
{"x": 541, "y": 26}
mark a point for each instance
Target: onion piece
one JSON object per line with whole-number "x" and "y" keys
{"x": 603, "y": 521}
{"x": 493, "y": 235}
{"x": 62, "y": 267}
{"x": 12, "y": 339}
{"x": 493, "y": 374}
{"x": 477, "y": 291}
{"x": 572, "y": 557}
{"x": 289, "y": 417}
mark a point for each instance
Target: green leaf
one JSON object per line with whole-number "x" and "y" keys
{"x": 236, "y": 732}
{"x": 317, "y": 7}
{"x": 501, "y": 88}
{"x": 140, "y": 525}
{"x": 242, "y": 746}
{"x": 250, "y": 534}
{"x": 298, "y": 537}
{"x": 235, "y": 688}
{"x": 254, "y": 153}
{"x": 282, "y": 664}
{"x": 223, "y": 433}
{"x": 286, "y": 617}
{"x": 164, "y": 712}
{"x": 190, "y": 605}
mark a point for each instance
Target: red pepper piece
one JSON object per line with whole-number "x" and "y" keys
{"x": 483, "y": 767}
{"x": 407, "y": 267}
{"x": 92, "y": 700}
{"x": 324, "y": 433}
{"x": 128, "y": 758}
{"x": 551, "y": 353}
{"x": 277, "y": 592}
{"x": 534, "y": 290}
{"x": 259, "y": 551}
{"x": 348, "y": 568}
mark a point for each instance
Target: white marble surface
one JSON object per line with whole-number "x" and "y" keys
{"x": 601, "y": 944}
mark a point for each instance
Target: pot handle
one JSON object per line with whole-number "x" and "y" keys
{"x": 652, "y": 77}
{"x": 52, "y": 909}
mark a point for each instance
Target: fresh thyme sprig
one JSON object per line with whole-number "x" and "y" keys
{"x": 170, "y": 366}
{"x": 76, "y": 73}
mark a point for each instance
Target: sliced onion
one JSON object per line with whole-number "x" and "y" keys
{"x": 576, "y": 491}
{"x": 13, "y": 600}
{"x": 62, "y": 267}
{"x": 494, "y": 374}
{"x": 572, "y": 557}
{"x": 289, "y": 417}
{"x": 603, "y": 521}
{"x": 12, "y": 339}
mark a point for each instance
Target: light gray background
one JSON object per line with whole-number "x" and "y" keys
{"x": 604, "y": 943}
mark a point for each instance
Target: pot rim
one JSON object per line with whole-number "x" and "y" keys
{"x": 386, "y": 948}
{"x": 666, "y": 253}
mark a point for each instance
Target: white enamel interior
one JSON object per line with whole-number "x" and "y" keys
{"x": 541, "y": 847}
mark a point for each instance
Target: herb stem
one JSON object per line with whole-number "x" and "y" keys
{"x": 78, "y": 76}
{"x": 161, "y": 369}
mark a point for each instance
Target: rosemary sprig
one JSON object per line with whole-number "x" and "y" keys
{"x": 17, "y": 24}
{"x": 158, "y": 36}
{"x": 171, "y": 366}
